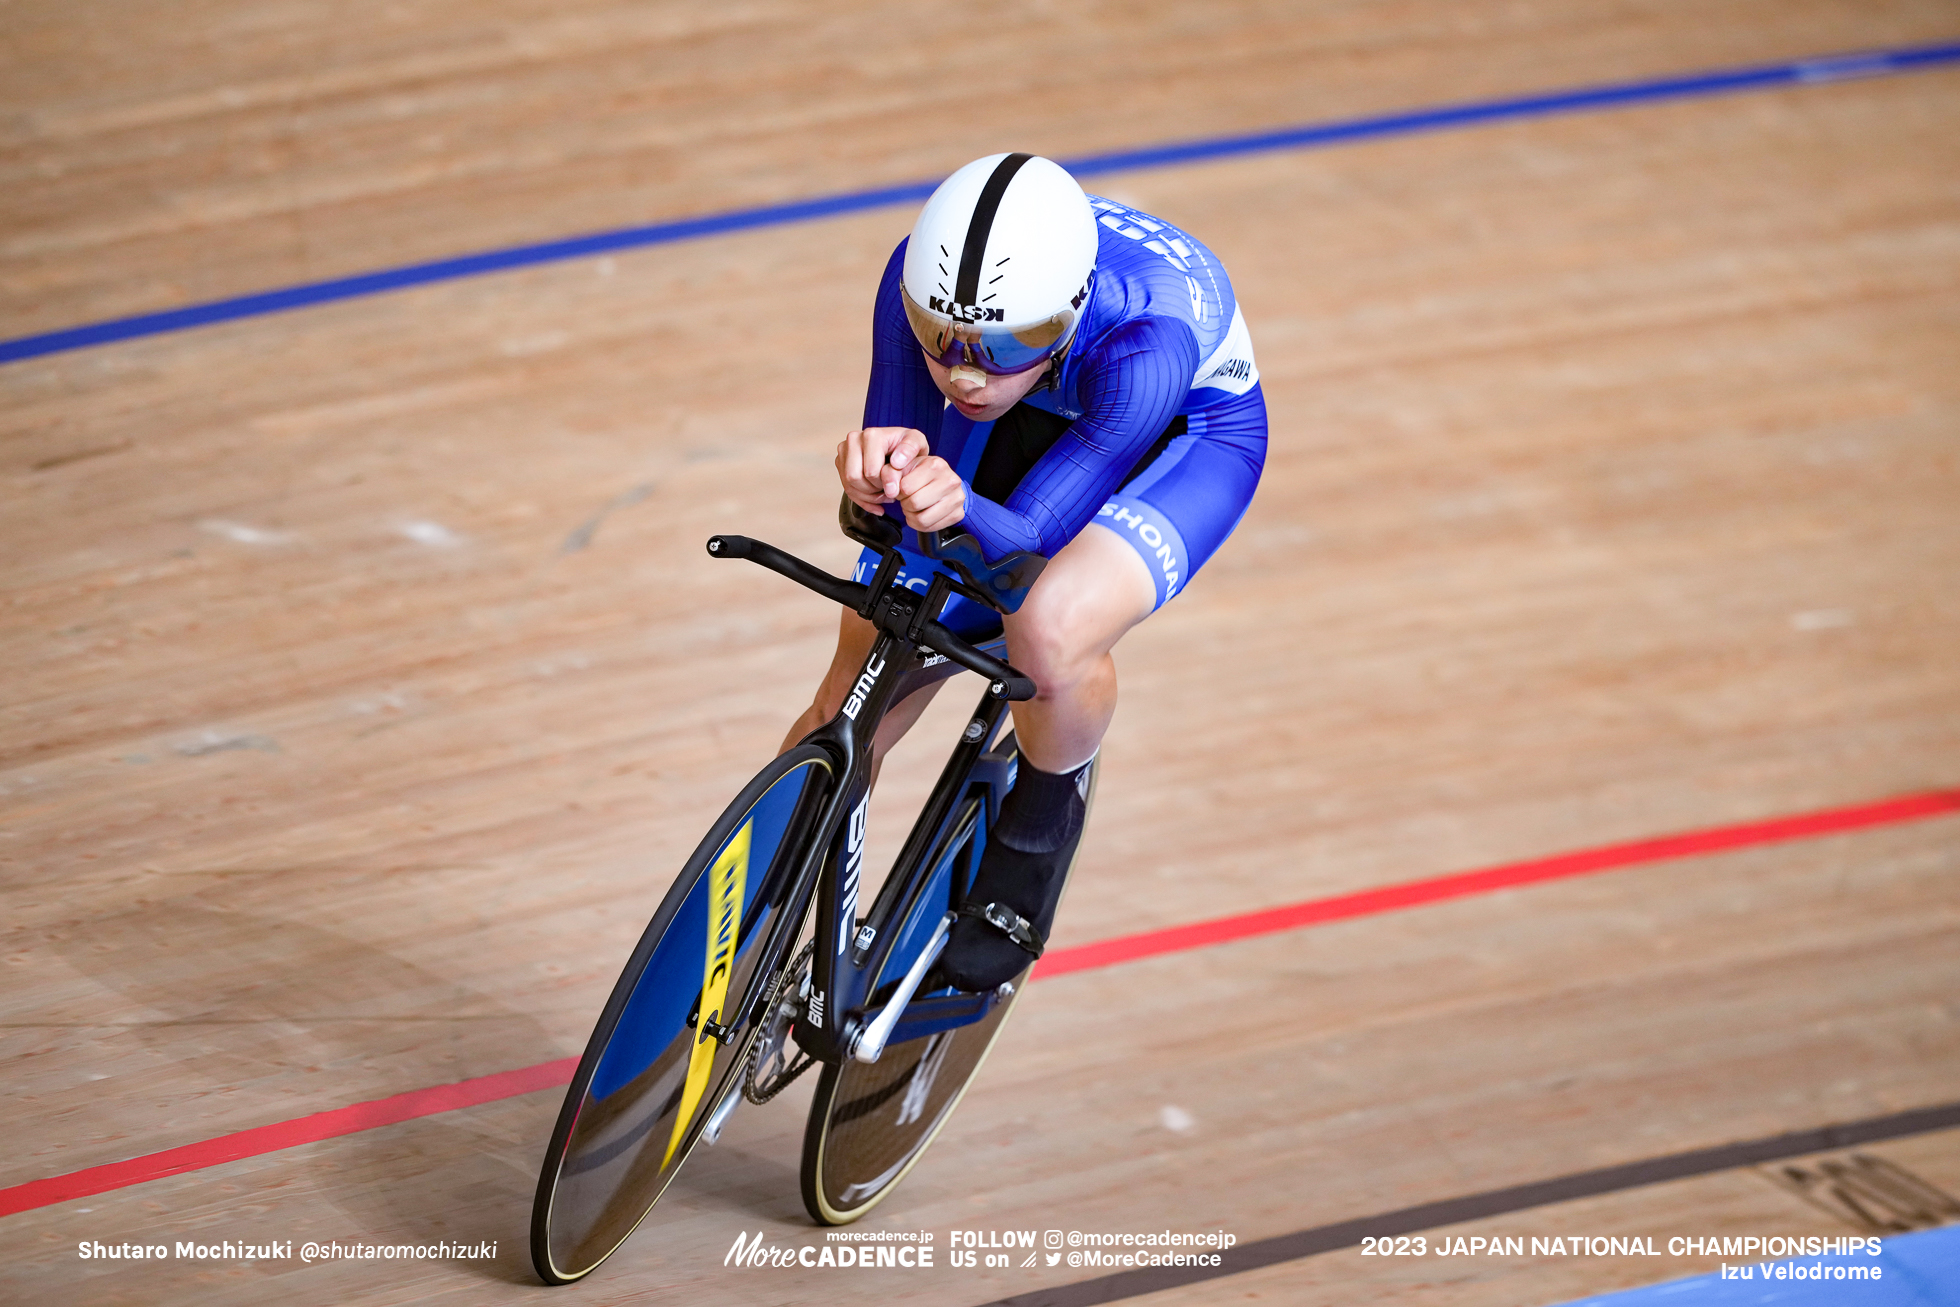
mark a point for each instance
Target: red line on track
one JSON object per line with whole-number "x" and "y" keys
{"x": 286, "y": 1134}
{"x": 1585, "y": 862}
{"x": 1106, "y": 953}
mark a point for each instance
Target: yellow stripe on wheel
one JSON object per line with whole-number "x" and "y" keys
{"x": 725, "y": 881}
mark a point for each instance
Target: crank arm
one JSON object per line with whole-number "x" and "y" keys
{"x": 870, "y": 1042}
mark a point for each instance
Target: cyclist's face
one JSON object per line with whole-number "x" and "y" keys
{"x": 980, "y": 396}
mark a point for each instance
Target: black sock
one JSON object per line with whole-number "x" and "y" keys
{"x": 1044, "y": 809}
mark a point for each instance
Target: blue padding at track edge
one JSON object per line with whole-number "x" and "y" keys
{"x": 1919, "y": 1270}
{"x": 1820, "y": 68}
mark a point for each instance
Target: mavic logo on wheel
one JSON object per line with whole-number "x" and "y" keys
{"x": 728, "y": 917}
{"x": 725, "y": 881}
{"x": 854, "y": 704}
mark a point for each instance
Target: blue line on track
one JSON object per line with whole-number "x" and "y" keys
{"x": 1822, "y": 68}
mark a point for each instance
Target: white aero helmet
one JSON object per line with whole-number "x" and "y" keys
{"x": 999, "y": 264}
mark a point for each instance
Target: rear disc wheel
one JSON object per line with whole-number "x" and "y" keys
{"x": 870, "y": 1123}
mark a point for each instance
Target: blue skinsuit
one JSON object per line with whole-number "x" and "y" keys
{"x": 1161, "y": 365}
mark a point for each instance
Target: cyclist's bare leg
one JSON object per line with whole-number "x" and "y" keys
{"x": 1090, "y": 594}
{"x": 854, "y": 640}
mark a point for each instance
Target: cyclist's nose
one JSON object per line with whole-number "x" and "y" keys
{"x": 968, "y": 381}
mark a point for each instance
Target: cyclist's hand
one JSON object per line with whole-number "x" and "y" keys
{"x": 871, "y": 463}
{"x": 932, "y": 495}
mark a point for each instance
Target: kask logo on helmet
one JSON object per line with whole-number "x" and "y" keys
{"x": 1002, "y": 252}
{"x": 964, "y": 312}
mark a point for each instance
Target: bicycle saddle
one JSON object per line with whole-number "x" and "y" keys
{"x": 1001, "y": 585}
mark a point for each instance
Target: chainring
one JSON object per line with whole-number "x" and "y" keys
{"x": 771, "y": 1069}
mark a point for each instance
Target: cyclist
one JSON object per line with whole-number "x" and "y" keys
{"x": 1055, "y": 372}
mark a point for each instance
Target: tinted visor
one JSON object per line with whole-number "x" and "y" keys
{"x": 990, "y": 346}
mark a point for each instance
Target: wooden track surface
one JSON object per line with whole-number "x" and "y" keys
{"x": 368, "y": 680}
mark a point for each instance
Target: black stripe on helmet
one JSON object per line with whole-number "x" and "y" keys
{"x": 966, "y": 289}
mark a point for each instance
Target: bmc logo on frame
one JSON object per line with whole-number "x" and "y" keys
{"x": 855, "y": 704}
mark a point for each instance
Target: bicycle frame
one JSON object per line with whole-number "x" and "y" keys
{"x": 842, "y": 1020}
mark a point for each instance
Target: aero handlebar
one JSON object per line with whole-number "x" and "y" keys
{"x": 1007, "y": 683}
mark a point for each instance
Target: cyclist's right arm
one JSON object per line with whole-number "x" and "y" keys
{"x": 882, "y": 465}
{"x": 871, "y": 462}
{"x": 902, "y": 409}
{"x": 901, "y": 393}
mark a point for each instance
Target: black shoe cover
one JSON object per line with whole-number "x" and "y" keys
{"x": 979, "y": 955}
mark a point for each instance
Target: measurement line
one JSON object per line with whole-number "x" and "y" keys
{"x": 1836, "y": 67}
{"x": 1106, "y": 953}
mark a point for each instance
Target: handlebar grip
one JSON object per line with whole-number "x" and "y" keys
{"x": 763, "y": 554}
{"x": 1007, "y": 683}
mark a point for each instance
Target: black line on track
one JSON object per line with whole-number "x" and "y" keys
{"x": 1492, "y": 1202}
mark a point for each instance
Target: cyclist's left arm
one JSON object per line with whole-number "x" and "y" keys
{"x": 1138, "y": 379}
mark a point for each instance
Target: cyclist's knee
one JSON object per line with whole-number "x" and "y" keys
{"x": 1051, "y": 644}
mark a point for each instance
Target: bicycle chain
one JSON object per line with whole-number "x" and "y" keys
{"x": 750, "y": 1090}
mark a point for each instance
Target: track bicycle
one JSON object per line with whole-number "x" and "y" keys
{"x": 718, "y": 1004}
